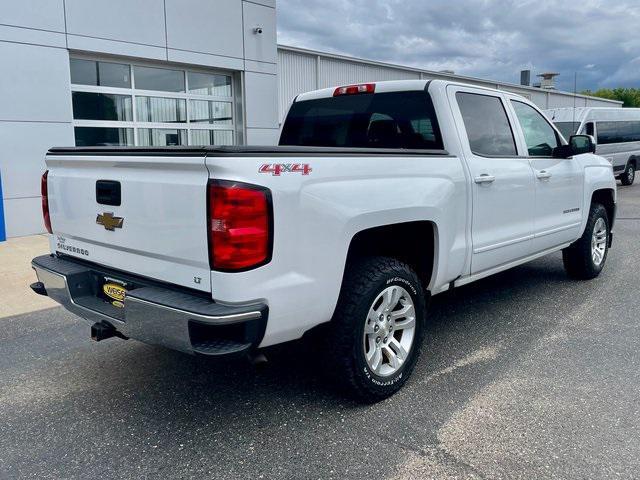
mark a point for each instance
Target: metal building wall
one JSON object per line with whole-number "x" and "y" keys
{"x": 37, "y": 36}
{"x": 301, "y": 70}
{"x": 334, "y": 71}
{"x": 297, "y": 73}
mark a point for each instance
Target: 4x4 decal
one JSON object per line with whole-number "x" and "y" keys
{"x": 276, "y": 169}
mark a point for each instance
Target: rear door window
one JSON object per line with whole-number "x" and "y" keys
{"x": 487, "y": 125}
{"x": 404, "y": 120}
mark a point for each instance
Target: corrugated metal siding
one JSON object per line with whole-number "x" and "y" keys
{"x": 298, "y": 72}
{"x": 339, "y": 72}
{"x": 599, "y": 103}
{"x": 528, "y": 94}
{"x": 557, "y": 101}
{"x": 539, "y": 98}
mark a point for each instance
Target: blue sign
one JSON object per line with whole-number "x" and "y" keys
{"x": 3, "y": 232}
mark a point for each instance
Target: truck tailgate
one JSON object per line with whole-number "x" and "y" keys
{"x": 162, "y": 204}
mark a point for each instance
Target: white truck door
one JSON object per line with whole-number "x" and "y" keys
{"x": 502, "y": 182}
{"x": 558, "y": 181}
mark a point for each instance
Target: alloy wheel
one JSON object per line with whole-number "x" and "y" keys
{"x": 389, "y": 331}
{"x": 599, "y": 241}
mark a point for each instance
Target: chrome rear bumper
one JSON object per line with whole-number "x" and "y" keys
{"x": 152, "y": 313}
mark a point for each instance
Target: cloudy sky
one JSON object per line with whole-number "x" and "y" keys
{"x": 486, "y": 38}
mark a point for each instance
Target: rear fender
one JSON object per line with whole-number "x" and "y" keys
{"x": 317, "y": 216}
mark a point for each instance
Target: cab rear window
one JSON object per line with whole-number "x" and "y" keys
{"x": 404, "y": 120}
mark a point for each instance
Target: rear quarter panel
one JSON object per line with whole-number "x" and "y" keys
{"x": 317, "y": 215}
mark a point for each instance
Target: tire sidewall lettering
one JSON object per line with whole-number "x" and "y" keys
{"x": 385, "y": 383}
{"x": 404, "y": 281}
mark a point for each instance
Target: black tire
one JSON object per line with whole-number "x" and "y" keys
{"x": 577, "y": 258}
{"x": 629, "y": 175}
{"x": 364, "y": 281}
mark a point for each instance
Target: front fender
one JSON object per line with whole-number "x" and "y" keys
{"x": 596, "y": 177}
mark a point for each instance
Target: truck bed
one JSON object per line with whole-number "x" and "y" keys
{"x": 267, "y": 151}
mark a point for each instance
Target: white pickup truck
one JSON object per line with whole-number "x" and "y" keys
{"x": 379, "y": 196}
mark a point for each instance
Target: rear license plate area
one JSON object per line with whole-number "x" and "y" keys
{"x": 113, "y": 291}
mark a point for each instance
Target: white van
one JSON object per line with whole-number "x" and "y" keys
{"x": 616, "y": 130}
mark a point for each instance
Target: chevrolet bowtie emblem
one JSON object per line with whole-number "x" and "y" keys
{"x": 108, "y": 221}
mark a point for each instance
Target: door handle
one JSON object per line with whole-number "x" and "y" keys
{"x": 485, "y": 178}
{"x": 543, "y": 174}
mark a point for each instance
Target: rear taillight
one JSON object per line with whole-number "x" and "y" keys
{"x": 355, "y": 89}
{"x": 240, "y": 225}
{"x": 44, "y": 189}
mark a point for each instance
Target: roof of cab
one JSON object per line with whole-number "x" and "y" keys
{"x": 395, "y": 86}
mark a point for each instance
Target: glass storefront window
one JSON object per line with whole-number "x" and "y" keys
{"x": 210, "y": 84}
{"x": 161, "y": 79}
{"x": 84, "y": 72}
{"x": 119, "y": 103}
{"x": 114, "y": 75}
{"x": 215, "y": 113}
{"x": 161, "y": 137}
{"x": 100, "y": 136}
{"x": 104, "y": 74}
{"x": 161, "y": 110}
{"x": 101, "y": 106}
{"x": 211, "y": 137}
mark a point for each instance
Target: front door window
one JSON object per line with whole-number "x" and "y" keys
{"x": 539, "y": 135}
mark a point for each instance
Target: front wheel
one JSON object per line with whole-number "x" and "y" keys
{"x": 586, "y": 257}
{"x": 629, "y": 174}
{"x": 377, "y": 329}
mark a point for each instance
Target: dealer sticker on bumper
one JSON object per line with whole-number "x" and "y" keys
{"x": 115, "y": 292}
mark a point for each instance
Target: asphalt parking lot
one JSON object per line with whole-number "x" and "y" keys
{"x": 524, "y": 375}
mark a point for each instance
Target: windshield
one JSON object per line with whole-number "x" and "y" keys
{"x": 567, "y": 128}
{"x": 380, "y": 120}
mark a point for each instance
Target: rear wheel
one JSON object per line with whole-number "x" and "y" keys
{"x": 586, "y": 257}
{"x": 629, "y": 174}
{"x": 375, "y": 335}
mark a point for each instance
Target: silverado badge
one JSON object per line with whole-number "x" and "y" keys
{"x": 108, "y": 221}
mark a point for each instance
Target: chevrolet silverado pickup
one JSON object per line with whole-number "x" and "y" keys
{"x": 379, "y": 196}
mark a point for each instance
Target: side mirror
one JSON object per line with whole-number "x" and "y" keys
{"x": 582, "y": 144}
{"x": 578, "y": 144}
